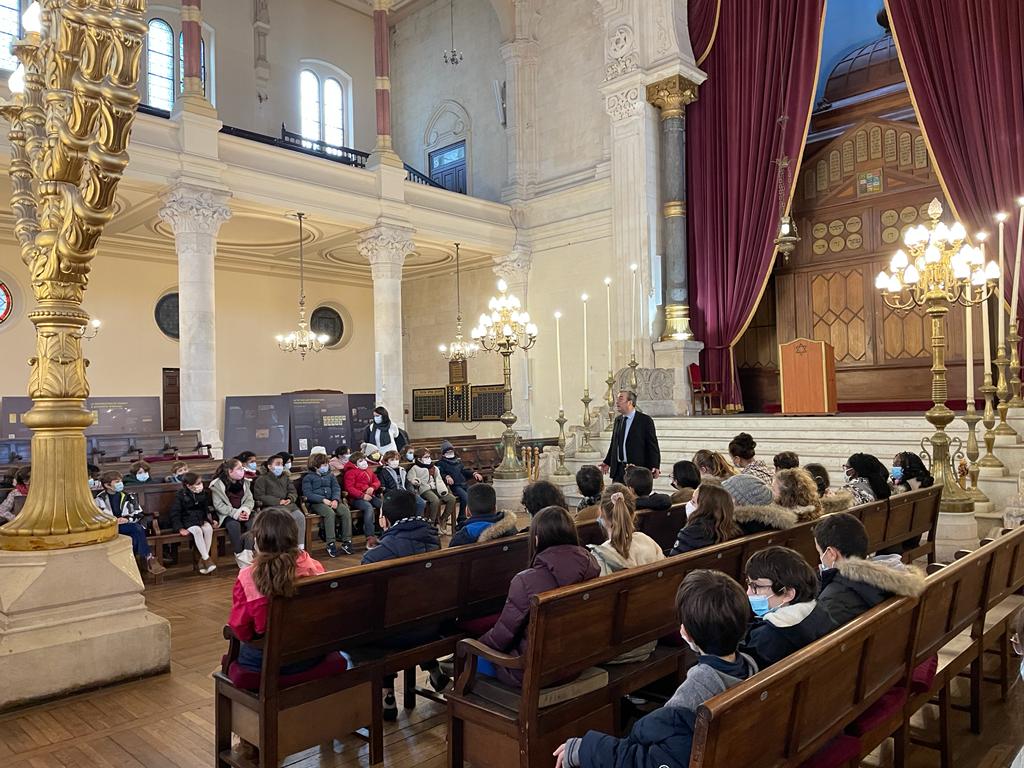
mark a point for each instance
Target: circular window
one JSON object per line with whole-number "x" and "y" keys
{"x": 166, "y": 314}
{"x": 6, "y": 302}
{"x": 327, "y": 320}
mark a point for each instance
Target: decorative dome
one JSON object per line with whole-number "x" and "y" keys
{"x": 867, "y": 68}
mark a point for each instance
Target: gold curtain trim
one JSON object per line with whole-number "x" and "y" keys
{"x": 714, "y": 34}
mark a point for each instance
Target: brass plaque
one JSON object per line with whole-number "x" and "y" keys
{"x": 890, "y": 235}
{"x": 820, "y": 229}
{"x": 890, "y": 217}
{"x": 853, "y": 224}
{"x": 836, "y": 244}
{"x": 922, "y": 209}
{"x": 854, "y": 241}
{"x": 820, "y": 246}
{"x": 835, "y": 227}
{"x": 908, "y": 215}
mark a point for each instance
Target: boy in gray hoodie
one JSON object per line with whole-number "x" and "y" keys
{"x": 713, "y": 613}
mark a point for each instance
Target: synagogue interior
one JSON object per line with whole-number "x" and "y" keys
{"x": 512, "y": 383}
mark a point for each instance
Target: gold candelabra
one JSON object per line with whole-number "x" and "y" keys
{"x": 988, "y": 419}
{"x": 505, "y": 330}
{"x": 74, "y": 99}
{"x": 609, "y": 400}
{"x": 939, "y": 271}
{"x": 561, "y": 470}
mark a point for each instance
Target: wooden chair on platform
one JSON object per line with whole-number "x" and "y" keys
{"x": 705, "y": 393}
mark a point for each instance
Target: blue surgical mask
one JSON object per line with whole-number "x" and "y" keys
{"x": 377, "y": 418}
{"x": 410, "y": 456}
{"x": 142, "y": 476}
{"x": 759, "y": 605}
{"x": 118, "y": 486}
{"x": 277, "y": 471}
{"x": 896, "y": 473}
{"x": 252, "y": 466}
{"x": 323, "y": 470}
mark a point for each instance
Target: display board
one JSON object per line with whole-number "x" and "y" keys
{"x": 111, "y": 416}
{"x": 360, "y": 412}
{"x": 258, "y": 423}
{"x": 488, "y": 402}
{"x": 319, "y": 420}
{"x": 429, "y": 404}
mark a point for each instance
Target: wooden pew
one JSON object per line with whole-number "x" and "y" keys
{"x": 354, "y": 609}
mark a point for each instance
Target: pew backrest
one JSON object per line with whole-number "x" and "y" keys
{"x": 1006, "y": 576}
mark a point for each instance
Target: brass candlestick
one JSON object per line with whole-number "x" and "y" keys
{"x": 1015, "y": 400}
{"x": 989, "y": 460}
{"x": 588, "y": 422}
{"x": 971, "y": 419}
{"x": 634, "y": 383}
{"x": 609, "y": 399}
{"x": 1003, "y": 392}
{"x": 561, "y": 470}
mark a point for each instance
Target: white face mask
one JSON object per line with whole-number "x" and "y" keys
{"x": 425, "y": 461}
{"x": 362, "y": 464}
{"x": 691, "y": 507}
{"x": 377, "y": 419}
{"x": 393, "y": 463}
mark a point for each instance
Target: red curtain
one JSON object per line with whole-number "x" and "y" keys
{"x": 702, "y": 21}
{"x": 763, "y": 64}
{"x": 964, "y": 62}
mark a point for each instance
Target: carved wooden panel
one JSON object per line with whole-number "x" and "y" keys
{"x": 759, "y": 346}
{"x": 837, "y": 313}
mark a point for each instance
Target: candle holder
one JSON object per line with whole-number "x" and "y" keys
{"x": 588, "y": 423}
{"x": 1003, "y": 392}
{"x": 988, "y": 419}
{"x": 1014, "y": 339}
{"x": 609, "y": 399}
{"x": 561, "y": 470}
{"x": 971, "y": 419}
{"x": 634, "y": 383}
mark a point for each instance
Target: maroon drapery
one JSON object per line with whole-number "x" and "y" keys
{"x": 702, "y": 21}
{"x": 763, "y": 64}
{"x": 964, "y": 62}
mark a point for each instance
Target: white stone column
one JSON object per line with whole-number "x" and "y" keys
{"x": 514, "y": 269}
{"x": 520, "y": 57}
{"x": 196, "y": 214}
{"x": 386, "y": 247}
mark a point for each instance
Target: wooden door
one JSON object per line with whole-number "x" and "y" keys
{"x": 172, "y": 399}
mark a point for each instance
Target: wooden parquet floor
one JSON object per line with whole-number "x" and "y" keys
{"x": 167, "y": 721}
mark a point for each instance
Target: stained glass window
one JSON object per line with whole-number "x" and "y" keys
{"x": 6, "y": 302}
{"x": 334, "y": 113}
{"x": 160, "y": 65}
{"x": 309, "y": 101}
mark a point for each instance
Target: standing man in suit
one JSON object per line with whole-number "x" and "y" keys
{"x": 634, "y": 441}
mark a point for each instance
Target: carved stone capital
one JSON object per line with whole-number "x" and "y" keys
{"x": 671, "y": 95}
{"x": 624, "y": 104}
{"x": 514, "y": 267}
{"x": 386, "y": 248}
{"x": 190, "y": 209}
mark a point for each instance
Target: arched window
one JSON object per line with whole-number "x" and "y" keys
{"x": 160, "y": 65}
{"x": 181, "y": 62}
{"x": 10, "y": 30}
{"x": 334, "y": 113}
{"x": 309, "y": 100}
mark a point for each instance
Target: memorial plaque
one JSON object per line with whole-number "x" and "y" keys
{"x": 429, "y": 404}
{"x": 488, "y": 402}
{"x": 257, "y": 423}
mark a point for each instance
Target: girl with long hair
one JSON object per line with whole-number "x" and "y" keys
{"x": 866, "y": 478}
{"x": 625, "y": 547}
{"x": 710, "y": 523}
{"x": 713, "y": 464}
{"x": 233, "y": 502}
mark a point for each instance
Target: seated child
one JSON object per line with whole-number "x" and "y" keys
{"x": 138, "y": 473}
{"x": 252, "y": 468}
{"x": 590, "y": 483}
{"x": 178, "y": 470}
{"x": 21, "y": 480}
{"x": 781, "y": 587}
{"x": 191, "y": 515}
{"x": 641, "y": 482}
{"x": 485, "y": 522}
{"x": 115, "y": 502}
{"x": 713, "y": 614}
{"x": 361, "y": 485}
{"x": 685, "y": 479}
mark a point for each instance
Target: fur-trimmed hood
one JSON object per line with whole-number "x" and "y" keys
{"x": 506, "y": 526}
{"x": 887, "y": 573}
{"x": 840, "y": 501}
{"x": 770, "y": 516}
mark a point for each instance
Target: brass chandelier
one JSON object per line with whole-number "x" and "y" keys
{"x": 458, "y": 350}
{"x": 303, "y": 340}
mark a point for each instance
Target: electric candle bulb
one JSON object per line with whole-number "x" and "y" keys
{"x": 607, "y": 281}
{"x": 502, "y": 286}
{"x": 1002, "y": 216}
{"x": 932, "y": 255}
{"x": 32, "y": 18}
{"x": 992, "y": 271}
{"x": 911, "y": 275}
{"x": 882, "y": 281}
{"x": 531, "y": 329}
{"x": 16, "y": 82}
{"x": 957, "y": 231}
{"x": 894, "y": 285}
{"x": 899, "y": 260}
{"x": 978, "y": 278}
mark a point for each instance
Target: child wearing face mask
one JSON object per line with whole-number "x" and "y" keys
{"x": 233, "y": 503}
{"x": 274, "y": 488}
{"x": 781, "y": 588}
{"x": 178, "y": 470}
{"x": 393, "y": 477}
{"x": 191, "y": 516}
{"x": 138, "y": 473}
{"x": 362, "y": 486}
{"x": 339, "y": 460}
{"x": 125, "y": 508}
{"x": 252, "y": 468}
{"x": 713, "y": 615}
{"x": 21, "y": 481}
{"x": 456, "y": 476}
{"x": 426, "y": 480}
{"x": 323, "y": 496}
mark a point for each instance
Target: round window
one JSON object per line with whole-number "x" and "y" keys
{"x": 327, "y": 320}
{"x": 166, "y": 314}
{"x": 6, "y": 302}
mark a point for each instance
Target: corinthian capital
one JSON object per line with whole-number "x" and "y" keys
{"x": 386, "y": 247}
{"x": 190, "y": 209}
{"x": 514, "y": 267}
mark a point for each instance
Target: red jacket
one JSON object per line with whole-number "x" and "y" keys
{"x": 249, "y": 608}
{"x": 358, "y": 481}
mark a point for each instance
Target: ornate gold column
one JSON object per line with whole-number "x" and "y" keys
{"x": 671, "y": 96}
{"x": 69, "y": 130}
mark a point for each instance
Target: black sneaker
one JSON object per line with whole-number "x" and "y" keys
{"x": 331, "y": 550}
{"x": 438, "y": 680}
{"x": 346, "y": 548}
{"x": 390, "y": 708}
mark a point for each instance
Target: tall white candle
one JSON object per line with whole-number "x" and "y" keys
{"x": 608, "y": 296}
{"x": 586, "y": 357}
{"x": 632, "y": 313}
{"x": 640, "y": 304}
{"x": 1000, "y": 312}
{"x": 985, "y": 343}
{"x": 969, "y": 311}
{"x": 558, "y": 358}
{"x": 1016, "y": 263}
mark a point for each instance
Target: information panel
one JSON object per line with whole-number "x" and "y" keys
{"x": 258, "y": 423}
{"x": 111, "y": 416}
{"x": 319, "y": 420}
{"x": 360, "y": 415}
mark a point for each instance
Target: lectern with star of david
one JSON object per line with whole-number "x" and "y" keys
{"x": 807, "y": 377}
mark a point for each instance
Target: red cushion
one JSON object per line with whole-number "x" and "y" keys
{"x": 924, "y": 675}
{"x": 890, "y": 703}
{"x": 841, "y": 750}
{"x": 332, "y": 664}
{"x": 480, "y": 625}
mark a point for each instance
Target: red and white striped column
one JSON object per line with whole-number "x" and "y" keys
{"x": 384, "y": 150}
{"x": 192, "y": 34}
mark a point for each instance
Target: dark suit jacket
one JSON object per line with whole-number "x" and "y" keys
{"x": 641, "y": 445}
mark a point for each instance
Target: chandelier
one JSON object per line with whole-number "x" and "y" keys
{"x": 303, "y": 340}
{"x": 788, "y": 237}
{"x": 458, "y": 350}
{"x": 453, "y": 56}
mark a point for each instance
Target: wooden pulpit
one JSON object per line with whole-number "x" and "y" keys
{"x": 807, "y": 377}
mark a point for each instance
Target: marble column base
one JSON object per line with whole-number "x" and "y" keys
{"x": 677, "y": 357}
{"x": 957, "y": 530}
{"x": 74, "y": 619}
{"x": 509, "y": 493}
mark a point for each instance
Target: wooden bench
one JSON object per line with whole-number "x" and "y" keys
{"x": 354, "y": 609}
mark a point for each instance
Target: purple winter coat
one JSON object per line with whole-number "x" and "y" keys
{"x": 557, "y": 566}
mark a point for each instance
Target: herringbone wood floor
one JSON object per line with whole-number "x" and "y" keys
{"x": 167, "y": 721}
